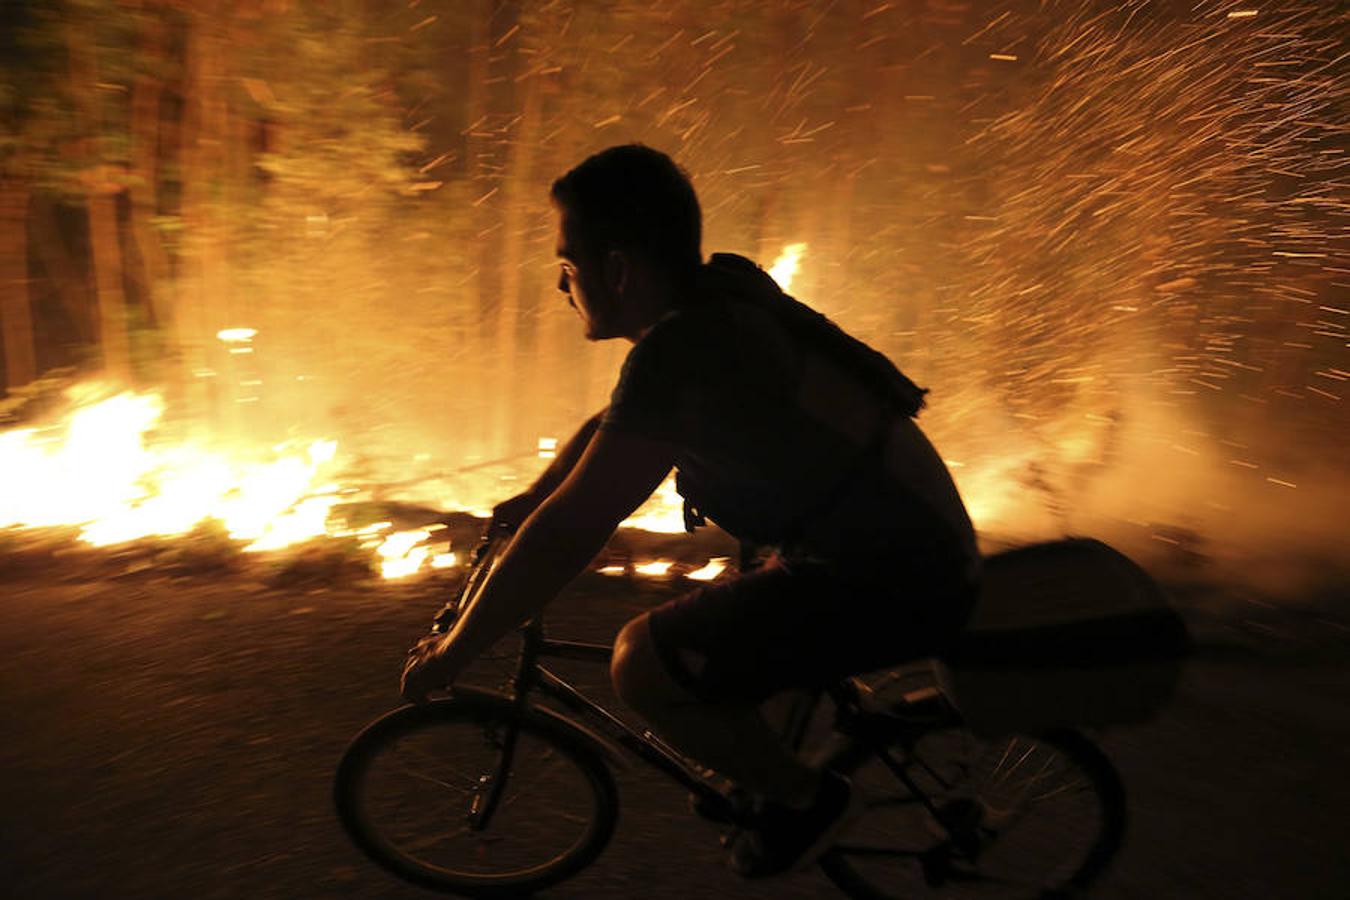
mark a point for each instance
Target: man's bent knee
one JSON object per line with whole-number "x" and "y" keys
{"x": 639, "y": 674}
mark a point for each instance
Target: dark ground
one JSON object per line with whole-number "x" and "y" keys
{"x": 172, "y": 737}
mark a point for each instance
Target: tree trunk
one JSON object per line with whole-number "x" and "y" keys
{"x": 511, "y": 403}
{"x": 101, "y": 191}
{"x": 105, "y": 248}
{"x": 199, "y": 287}
{"x": 146, "y": 92}
{"x": 60, "y": 266}
{"x": 482, "y": 182}
{"x": 16, "y": 316}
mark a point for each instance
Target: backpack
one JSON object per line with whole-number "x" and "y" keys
{"x": 728, "y": 276}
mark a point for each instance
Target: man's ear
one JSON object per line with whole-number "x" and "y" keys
{"x": 617, "y": 271}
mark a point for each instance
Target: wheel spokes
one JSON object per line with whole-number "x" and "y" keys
{"x": 1016, "y": 816}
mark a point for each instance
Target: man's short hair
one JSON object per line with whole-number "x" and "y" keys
{"x": 635, "y": 198}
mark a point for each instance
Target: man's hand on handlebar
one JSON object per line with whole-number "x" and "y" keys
{"x": 434, "y": 662}
{"x": 431, "y": 665}
{"x": 509, "y": 514}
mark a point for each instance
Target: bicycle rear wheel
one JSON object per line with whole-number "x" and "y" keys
{"x": 1021, "y": 816}
{"x": 411, "y": 788}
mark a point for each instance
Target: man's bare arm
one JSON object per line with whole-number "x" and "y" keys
{"x": 514, "y": 511}
{"x": 615, "y": 474}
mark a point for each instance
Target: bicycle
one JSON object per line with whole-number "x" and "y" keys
{"x": 438, "y": 794}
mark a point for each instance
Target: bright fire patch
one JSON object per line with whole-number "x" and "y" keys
{"x": 716, "y": 566}
{"x": 784, "y": 269}
{"x": 99, "y": 471}
{"x": 663, "y": 512}
{"x": 103, "y": 471}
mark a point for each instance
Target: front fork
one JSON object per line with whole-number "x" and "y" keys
{"x": 487, "y": 794}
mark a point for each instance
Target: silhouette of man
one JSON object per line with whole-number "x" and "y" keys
{"x": 786, "y": 432}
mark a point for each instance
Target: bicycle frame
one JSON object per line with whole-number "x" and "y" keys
{"x": 871, "y": 732}
{"x": 532, "y": 677}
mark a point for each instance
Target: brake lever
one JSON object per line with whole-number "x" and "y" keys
{"x": 445, "y": 619}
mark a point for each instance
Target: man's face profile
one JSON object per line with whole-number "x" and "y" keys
{"x": 579, "y": 279}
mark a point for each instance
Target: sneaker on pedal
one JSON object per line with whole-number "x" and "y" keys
{"x": 785, "y": 839}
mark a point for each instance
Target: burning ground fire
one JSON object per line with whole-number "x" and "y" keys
{"x": 106, "y": 469}
{"x": 103, "y": 470}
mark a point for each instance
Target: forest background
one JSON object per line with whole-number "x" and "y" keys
{"x": 1109, "y": 236}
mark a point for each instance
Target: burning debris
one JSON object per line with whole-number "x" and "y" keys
{"x": 107, "y": 473}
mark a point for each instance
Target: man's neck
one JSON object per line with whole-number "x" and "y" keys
{"x": 649, "y": 306}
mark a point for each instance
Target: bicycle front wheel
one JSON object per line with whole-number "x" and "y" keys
{"x": 1016, "y": 817}
{"x": 413, "y": 788}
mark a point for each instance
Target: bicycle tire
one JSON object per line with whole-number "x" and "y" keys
{"x": 1061, "y": 847}
{"x": 412, "y": 762}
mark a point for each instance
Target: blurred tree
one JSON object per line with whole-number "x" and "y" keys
{"x": 16, "y": 319}
{"x": 99, "y": 70}
{"x": 26, "y": 101}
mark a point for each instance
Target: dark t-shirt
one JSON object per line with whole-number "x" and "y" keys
{"x": 774, "y": 443}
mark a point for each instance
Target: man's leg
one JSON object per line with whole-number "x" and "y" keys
{"x": 731, "y": 739}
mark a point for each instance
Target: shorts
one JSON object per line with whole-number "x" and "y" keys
{"x": 803, "y": 625}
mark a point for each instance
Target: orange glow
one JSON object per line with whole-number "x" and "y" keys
{"x": 100, "y": 471}
{"x": 103, "y": 470}
{"x": 106, "y": 469}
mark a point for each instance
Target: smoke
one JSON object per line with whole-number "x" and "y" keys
{"x": 1187, "y": 503}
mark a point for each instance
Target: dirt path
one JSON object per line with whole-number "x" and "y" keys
{"x": 171, "y": 738}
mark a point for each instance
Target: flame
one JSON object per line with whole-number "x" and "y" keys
{"x": 403, "y": 553}
{"x": 714, "y": 567}
{"x": 663, "y": 512}
{"x": 785, "y": 267}
{"x": 107, "y": 470}
{"x": 101, "y": 471}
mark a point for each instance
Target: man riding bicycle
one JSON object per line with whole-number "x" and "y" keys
{"x": 785, "y": 431}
